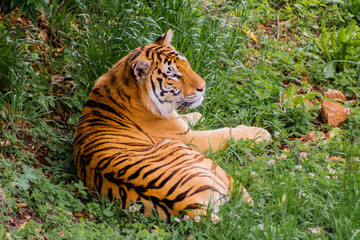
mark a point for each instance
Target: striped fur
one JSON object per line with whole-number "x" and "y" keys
{"x": 130, "y": 143}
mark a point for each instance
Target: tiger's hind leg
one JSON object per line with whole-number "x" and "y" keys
{"x": 193, "y": 183}
{"x": 169, "y": 177}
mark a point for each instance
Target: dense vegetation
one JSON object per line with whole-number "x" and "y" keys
{"x": 263, "y": 62}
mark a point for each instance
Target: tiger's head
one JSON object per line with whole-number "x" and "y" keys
{"x": 166, "y": 78}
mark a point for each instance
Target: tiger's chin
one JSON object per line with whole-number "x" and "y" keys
{"x": 191, "y": 103}
{"x": 167, "y": 108}
{"x": 196, "y": 103}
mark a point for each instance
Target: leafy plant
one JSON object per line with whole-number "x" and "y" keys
{"x": 9, "y": 58}
{"x": 28, "y": 6}
{"x": 340, "y": 48}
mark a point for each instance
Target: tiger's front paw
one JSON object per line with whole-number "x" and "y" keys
{"x": 259, "y": 134}
{"x": 191, "y": 118}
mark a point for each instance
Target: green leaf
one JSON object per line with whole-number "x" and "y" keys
{"x": 45, "y": 5}
{"x": 39, "y": 6}
{"x": 342, "y": 35}
{"x": 323, "y": 27}
{"x": 23, "y": 183}
{"x": 298, "y": 99}
{"x": 350, "y": 30}
{"x": 334, "y": 132}
{"x": 353, "y": 42}
{"x": 310, "y": 96}
{"x": 108, "y": 212}
{"x": 32, "y": 13}
{"x": 329, "y": 70}
{"x": 292, "y": 89}
{"x": 30, "y": 173}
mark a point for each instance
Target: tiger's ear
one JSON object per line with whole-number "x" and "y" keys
{"x": 165, "y": 39}
{"x": 140, "y": 69}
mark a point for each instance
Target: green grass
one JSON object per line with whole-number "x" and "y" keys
{"x": 316, "y": 47}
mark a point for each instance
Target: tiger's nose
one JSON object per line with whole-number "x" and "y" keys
{"x": 201, "y": 88}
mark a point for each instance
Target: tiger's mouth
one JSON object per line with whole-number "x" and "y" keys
{"x": 191, "y": 102}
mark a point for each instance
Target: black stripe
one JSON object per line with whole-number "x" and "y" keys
{"x": 93, "y": 104}
{"x": 204, "y": 188}
{"x": 90, "y": 147}
{"x": 98, "y": 181}
{"x": 164, "y": 165}
{"x": 132, "y": 72}
{"x": 147, "y": 51}
{"x": 112, "y": 76}
{"x": 151, "y": 171}
{"x": 136, "y": 53}
{"x": 166, "y": 211}
{"x": 95, "y": 90}
{"x": 151, "y": 184}
{"x": 172, "y": 189}
{"x": 166, "y": 157}
{"x": 158, "y": 48}
{"x": 180, "y": 197}
{"x": 158, "y": 55}
{"x": 122, "y": 171}
{"x": 100, "y": 115}
{"x": 189, "y": 178}
{"x": 123, "y": 196}
{"x": 154, "y": 90}
{"x": 108, "y": 159}
{"x": 168, "y": 178}
{"x": 193, "y": 206}
{"x": 136, "y": 174}
{"x": 110, "y": 194}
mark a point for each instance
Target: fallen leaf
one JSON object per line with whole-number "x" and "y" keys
{"x": 25, "y": 222}
{"x": 79, "y": 214}
{"x": 21, "y": 205}
{"x": 43, "y": 35}
{"x": 60, "y": 49}
{"x": 250, "y": 34}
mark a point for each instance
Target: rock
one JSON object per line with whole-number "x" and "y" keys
{"x": 335, "y": 94}
{"x": 334, "y": 113}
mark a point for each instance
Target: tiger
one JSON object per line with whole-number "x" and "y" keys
{"x": 131, "y": 144}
